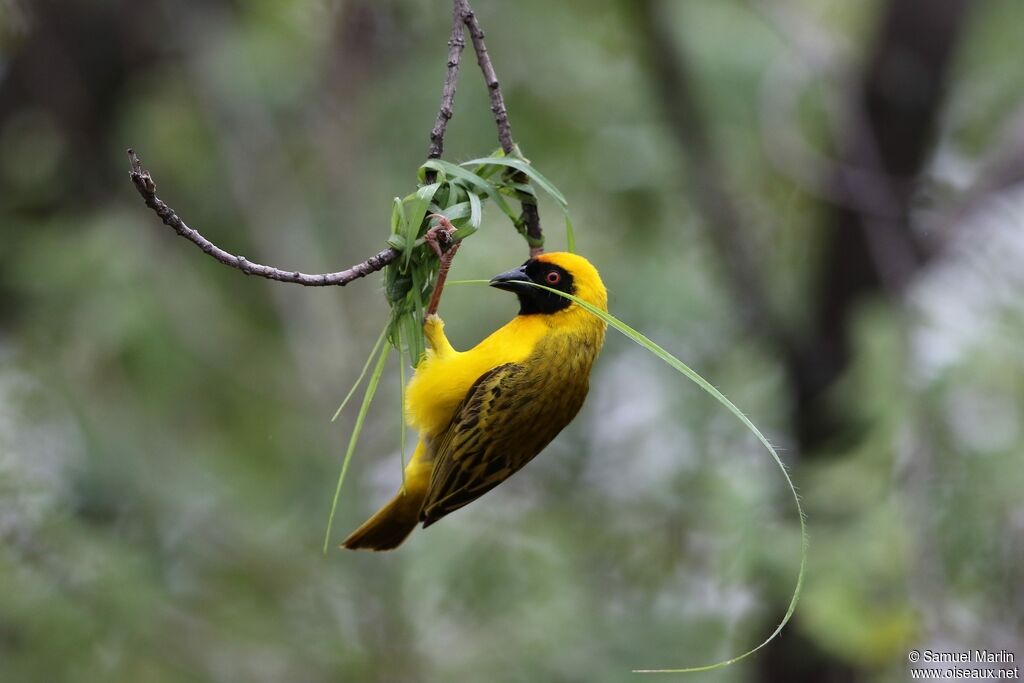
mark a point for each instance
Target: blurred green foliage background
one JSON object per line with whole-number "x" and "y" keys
{"x": 166, "y": 455}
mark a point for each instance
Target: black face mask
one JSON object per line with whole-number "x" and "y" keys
{"x": 532, "y": 299}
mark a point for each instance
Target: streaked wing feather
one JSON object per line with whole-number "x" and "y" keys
{"x": 508, "y": 416}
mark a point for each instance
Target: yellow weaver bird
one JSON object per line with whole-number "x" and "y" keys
{"x": 484, "y": 413}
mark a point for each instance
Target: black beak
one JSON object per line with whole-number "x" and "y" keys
{"x": 511, "y": 280}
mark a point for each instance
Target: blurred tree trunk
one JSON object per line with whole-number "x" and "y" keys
{"x": 60, "y": 81}
{"x": 71, "y": 63}
{"x": 870, "y": 245}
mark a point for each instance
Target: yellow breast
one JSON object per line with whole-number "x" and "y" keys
{"x": 570, "y": 344}
{"x": 441, "y": 382}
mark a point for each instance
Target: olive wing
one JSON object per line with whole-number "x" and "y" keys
{"x": 508, "y": 416}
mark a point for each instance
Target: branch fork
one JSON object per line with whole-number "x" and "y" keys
{"x": 146, "y": 186}
{"x": 439, "y": 237}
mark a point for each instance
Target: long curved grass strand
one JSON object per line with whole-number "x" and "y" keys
{"x": 371, "y": 389}
{"x": 362, "y": 374}
{"x": 401, "y": 402}
{"x": 709, "y": 388}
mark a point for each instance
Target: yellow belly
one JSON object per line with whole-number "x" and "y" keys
{"x": 442, "y": 381}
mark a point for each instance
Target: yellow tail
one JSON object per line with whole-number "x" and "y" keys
{"x": 395, "y": 521}
{"x": 389, "y": 527}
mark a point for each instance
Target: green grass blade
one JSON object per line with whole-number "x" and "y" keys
{"x": 487, "y": 170}
{"x": 523, "y": 190}
{"x": 463, "y": 233}
{"x": 457, "y": 211}
{"x": 417, "y": 204}
{"x": 523, "y": 167}
{"x": 396, "y": 241}
{"x": 570, "y": 235}
{"x": 473, "y": 183}
{"x": 371, "y": 389}
{"x": 401, "y": 407}
{"x": 362, "y": 374}
{"x": 690, "y": 374}
{"x": 397, "y": 216}
{"x": 418, "y": 345}
{"x": 457, "y": 194}
{"x": 439, "y": 174}
{"x": 476, "y": 211}
{"x": 534, "y": 175}
{"x": 397, "y": 238}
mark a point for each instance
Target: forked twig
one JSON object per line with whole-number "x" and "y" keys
{"x": 462, "y": 15}
{"x": 147, "y": 189}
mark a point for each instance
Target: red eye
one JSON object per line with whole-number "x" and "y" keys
{"x": 553, "y": 277}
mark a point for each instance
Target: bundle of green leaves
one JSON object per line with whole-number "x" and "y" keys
{"x": 457, "y": 192}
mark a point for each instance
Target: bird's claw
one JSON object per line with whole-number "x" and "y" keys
{"x": 433, "y": 330}
{"x": 440, "y": 237}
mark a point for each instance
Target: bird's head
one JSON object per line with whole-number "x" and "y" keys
{"x": 563, "y": 271}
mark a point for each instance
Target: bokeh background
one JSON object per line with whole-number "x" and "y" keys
{"x": 816, "y": 204}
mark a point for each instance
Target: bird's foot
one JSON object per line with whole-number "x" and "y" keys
{"x": 433, "y": 330}
{"x": 440, "y": 237}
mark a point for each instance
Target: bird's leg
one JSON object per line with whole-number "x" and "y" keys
{"x": 440, "y": 240}
{"x": 439, "y": 237}
{"x": 433, "y": 330}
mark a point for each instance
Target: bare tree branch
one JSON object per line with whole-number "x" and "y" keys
{"x": 476, "y": 33}
{"x": 455, "y": 45}
{"x": 530, "y": 217}
{"x": 147, "y": 189}
{"x": 462, "y": 14}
